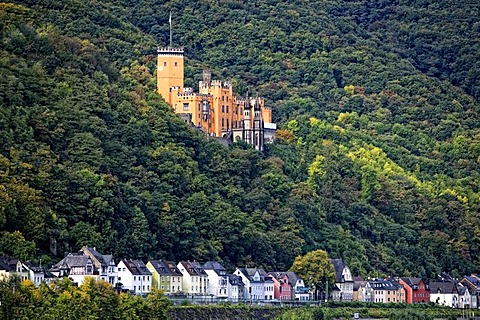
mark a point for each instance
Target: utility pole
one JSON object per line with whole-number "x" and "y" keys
{"x": 326, "y": 295}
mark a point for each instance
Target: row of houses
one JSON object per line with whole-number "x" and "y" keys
{"x": 182, "y": 279}
{"x": 211, "y": 280}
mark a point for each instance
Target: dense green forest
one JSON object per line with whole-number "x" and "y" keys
{"x": 377, "y": 159}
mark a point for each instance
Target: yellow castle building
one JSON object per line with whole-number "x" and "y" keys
{"x": 214, "y": 108}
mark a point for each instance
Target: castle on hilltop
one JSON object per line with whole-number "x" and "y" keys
{"x": 214, "y": 109}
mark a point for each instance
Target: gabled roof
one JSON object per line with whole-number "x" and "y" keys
{"x": 291, "y": 276}
{"x": 358, "y": 282}
{"x": 235, "y": 280}
{"x": 338, "y": 266}
{"x": 445, "y": 287}
{"x": 101, "y": 260}
{"x": 29, "y": 265}
{"x": 411, "y": 282}
{"x": 72, "y": 260}
{"x": 5, "y": 265}
{"x": 165, "y": 268}
{"x": 249, "y": 273}
{"x": 215, "y": 266}
{"x": 136, "y": 267}
{"x": 193, "y": 268}
{"x": 462, "y": 290}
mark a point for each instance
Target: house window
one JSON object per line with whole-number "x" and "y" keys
{"x": 164, "y": 63}
{"x": 223, "y": 123}
{"x": 185, "y": 106}
{"x": 227, "y": 98}
{"x": 223, "y": 109}
{"x": 223, "y": 98}
{"x": 134, "y": 288}
{"x": 134, "y": 278}
{"x": 119, "y": 278}
{"x": 163, "y": 279}
{"x": 227, "y": 109}
{"x": 163, "y": 287}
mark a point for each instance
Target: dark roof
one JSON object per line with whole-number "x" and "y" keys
{"x": 97, "y": 256}
{"x": 442, "y": 287}
{"x": 72, "y": 260}
{"x": 215, "y": 266}
{"x": 136, "y": 267}
{"x": 412, "y": 281}
{"x": 165, "y": 268}
{"x": 291, "y": 276}
{"x": 461, "y": 289}
{"x": 193, "y": 268}
{"x": 33, "y": 267}
{"x": 5, "y": 265}
{"x": 338, "y": 266}
{"x": 358, "y": 282}
{"x": 235, "y": 280}
{"x": 385, "y": 284}
{"x": 250, "y": 273}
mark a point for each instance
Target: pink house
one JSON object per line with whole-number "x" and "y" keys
{"x": 282, "y": 289}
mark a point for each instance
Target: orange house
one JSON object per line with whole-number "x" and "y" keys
{"x": 416, "y": 291}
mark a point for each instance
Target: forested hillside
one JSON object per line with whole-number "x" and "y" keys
{"x": 377, "y": 160}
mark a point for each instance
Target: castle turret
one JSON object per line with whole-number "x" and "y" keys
{"x": 257, "y": 130}
{"x": 169, "y": 71}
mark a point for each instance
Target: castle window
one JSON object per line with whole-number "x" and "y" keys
{"x": 165, "y": 63}
{"x": 185, "y": 107}
{"x": 175, "y": 64}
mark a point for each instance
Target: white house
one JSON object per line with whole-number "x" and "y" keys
{"x": 104, "y": 265}
{"x": 258, "y": 284}
{"x": 464, "y": 297}
{"x": 195, "y": 279}
{"x": 217, "y": 279}
{"x": 75, "y": 266}
{"x": 444, "y": 293}
{"x": 343, "y": 280}
{"x": 35, "y": 273}
{"x": 134, "y": 276}
{"x": 10, "y": 266}
{"x": 301, "y": 292}
{"x": 236, "y": 288}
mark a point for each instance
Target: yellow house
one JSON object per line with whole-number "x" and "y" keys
{"x": 166, "y": 276}
{"x": 214, "y": 108}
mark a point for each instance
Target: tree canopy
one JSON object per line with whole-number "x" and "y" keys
{"x": 377, "y": 159}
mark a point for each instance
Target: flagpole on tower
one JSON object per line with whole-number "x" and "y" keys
{"x": 170, "y": 22}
